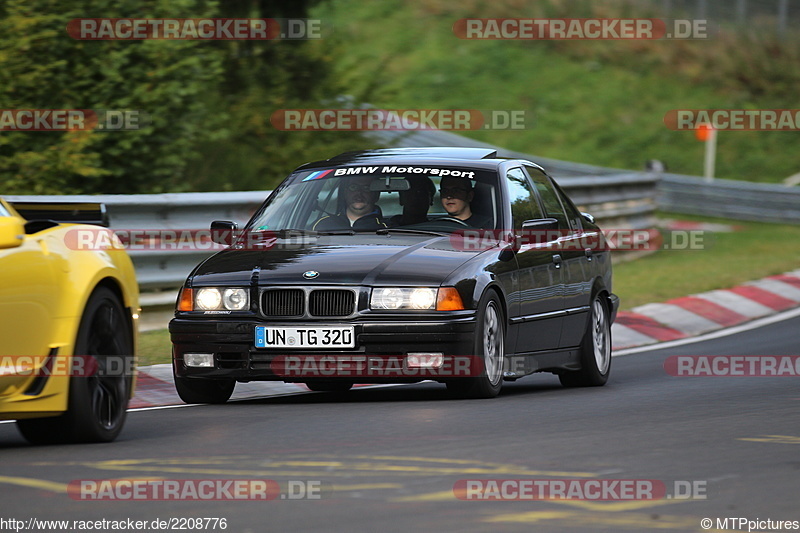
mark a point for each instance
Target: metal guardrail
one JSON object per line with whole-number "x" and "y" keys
{"x": 739, "y": 200}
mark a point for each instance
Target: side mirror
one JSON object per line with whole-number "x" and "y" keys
{"x": 540, "y": 224}
{"x": 223, "y": 232}
{"x": 589, "y": 218}
{"x": 12, "y": 232}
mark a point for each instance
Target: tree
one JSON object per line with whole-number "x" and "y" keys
{"x": 42, "y": 67}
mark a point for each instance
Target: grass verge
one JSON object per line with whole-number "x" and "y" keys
{"x": 754, "y": 251}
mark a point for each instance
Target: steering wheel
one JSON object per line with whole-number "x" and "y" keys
{"x": 454, "y": 220}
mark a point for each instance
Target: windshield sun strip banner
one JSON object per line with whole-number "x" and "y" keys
{"x": 389, "y": 169}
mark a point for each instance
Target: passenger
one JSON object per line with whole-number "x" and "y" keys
{"x": 360, "y": 212}
{"x": 415, "y": 202}
{"x": 457, "y": 195}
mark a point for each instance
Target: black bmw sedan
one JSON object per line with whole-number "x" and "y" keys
{"x": 398, "y": 266}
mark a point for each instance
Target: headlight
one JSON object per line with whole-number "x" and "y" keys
{"x": 212, "y": 299}
{"x": 403, "y": 298}
{"x": 208, "y": 299}
{"x": 235, "y": 299}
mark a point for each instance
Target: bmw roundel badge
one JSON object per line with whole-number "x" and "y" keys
{"x": 310, "y": 274}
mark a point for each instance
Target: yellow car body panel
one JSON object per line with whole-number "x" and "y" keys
{"x": 45, "y": 284}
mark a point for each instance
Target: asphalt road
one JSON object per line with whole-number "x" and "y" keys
{"x": 387, "y": 459}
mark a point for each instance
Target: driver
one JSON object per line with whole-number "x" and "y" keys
{"x": 457, "y": 194}
{"x": 360, "y": 213}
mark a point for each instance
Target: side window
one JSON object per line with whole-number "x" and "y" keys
{"x": 573, "y": 215}
{"x": 552, "y": 205}
{"x": 523, "y": 202}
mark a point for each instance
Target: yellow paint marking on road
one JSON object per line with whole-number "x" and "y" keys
{"x": 243, "y": 473}
{"x": 449, "y": 495}
{"x": 43, "y": 484}
{"x": 384, "y": 467}
{"x": 158, "y": 460}
{"x": 325, "y": 468}
{"x": 366, "y": 486}
{"x": 421, "y": 459}
{"x": 442, "y": 496}
{"x": 636, "y": 521}
{"x": 495, "y": 467}
{"x": 614, "y": 507}
{"x": 775, "y": 439}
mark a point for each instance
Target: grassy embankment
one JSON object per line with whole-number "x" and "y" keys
{"x": 596, "y": 102}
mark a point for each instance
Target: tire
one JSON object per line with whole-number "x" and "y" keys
{"x": 329, "y": 386}
{"x": 489, "y": 346}
{"x": 97, "y": 404}
{"x": 198, "y": 390}
{"x": 595, "y": 350}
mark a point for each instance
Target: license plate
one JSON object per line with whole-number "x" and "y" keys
{"x": 311, "y": 337}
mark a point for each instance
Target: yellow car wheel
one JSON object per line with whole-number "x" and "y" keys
{"x": 98, "y": 401}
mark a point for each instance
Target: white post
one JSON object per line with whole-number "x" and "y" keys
{"x": 711, "y": 154}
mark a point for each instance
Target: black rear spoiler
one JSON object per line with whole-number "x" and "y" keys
{"x": 64, "y": 212}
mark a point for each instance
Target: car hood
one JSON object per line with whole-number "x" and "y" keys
{"x": 341, "y": 259}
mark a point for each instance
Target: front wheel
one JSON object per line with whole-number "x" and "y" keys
{"x": 595, "y": 350}
{"x": 489, "y": 348}
{"x": 200, "y": 390}
{"x": 97, "y": 402}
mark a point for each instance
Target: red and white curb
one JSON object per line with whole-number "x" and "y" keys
{"x": 701, "y": 313}
{"x": 155, "y": 388}
{"x": 676, "y": 319}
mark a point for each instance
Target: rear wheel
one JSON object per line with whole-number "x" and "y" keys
{"x": 595, "y": 350}
{"x": 489, "y": 348}
{"x": 204, "y": 390}
{"x": 97, "y": 402}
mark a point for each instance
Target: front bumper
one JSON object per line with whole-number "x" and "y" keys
{"x": 235, "y": 356}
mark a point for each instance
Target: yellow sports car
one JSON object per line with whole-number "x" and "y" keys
{"x": 69, "y": 307}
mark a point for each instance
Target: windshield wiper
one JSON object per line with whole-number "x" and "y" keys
{"x": 386, "y": 231}
{"x": 338, "y": 232}
{"x": 292, "y": 232}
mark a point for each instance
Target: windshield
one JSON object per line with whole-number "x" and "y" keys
{"x": 371, "y": 198}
